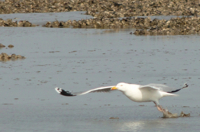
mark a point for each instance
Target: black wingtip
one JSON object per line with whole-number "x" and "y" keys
{"x": 185, "y": 85}
{"x": 63, "y": 92}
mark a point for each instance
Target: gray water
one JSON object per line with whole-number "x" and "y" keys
{"x": 82, "y": 59}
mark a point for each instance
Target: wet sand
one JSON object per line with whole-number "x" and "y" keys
{"x": 81, "y": 59}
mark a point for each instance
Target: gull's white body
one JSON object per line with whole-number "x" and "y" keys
{"x": 142, "y": 94}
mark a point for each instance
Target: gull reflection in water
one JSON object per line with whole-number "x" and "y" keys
{"x": 142, "y": 125}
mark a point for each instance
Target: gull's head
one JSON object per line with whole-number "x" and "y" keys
{"x": 120, "y": 86}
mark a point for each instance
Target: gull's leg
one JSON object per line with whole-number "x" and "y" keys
{"x": 159, "y": 107}
{"x": 166, "y": 113}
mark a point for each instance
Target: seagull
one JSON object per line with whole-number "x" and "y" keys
{"x": 135, "y": 92}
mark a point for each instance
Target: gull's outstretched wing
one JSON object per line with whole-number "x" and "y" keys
{"x": 67, "y": 93}
{"x": 163, "y": 87}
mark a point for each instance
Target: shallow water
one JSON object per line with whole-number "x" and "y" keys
{"x": 81, "y": 59}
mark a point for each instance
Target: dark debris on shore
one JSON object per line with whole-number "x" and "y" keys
{"x": 104, "y": 8}
{"x": 143, "y": 26}
{"x": 11, "y": 23}
{"x": 114, "y": 14}
{"x": 5, "y": 57}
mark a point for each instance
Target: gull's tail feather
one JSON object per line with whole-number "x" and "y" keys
{"x": 164, "y": 94}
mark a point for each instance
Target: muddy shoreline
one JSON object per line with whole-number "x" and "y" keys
{"x": 113, "y": 14}
{"x": 105, "y": 8}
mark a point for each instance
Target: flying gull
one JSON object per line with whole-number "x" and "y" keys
{"x": 135, "y": 92}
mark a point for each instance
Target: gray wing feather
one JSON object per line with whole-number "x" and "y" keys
{"x": 163, "y": 87}
{"x": 100, "y": 89}
{"x": 67, "y": 93}
{"x": 147, "y": 88}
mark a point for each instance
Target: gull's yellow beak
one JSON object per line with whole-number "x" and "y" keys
{"x": 114, "y": 88}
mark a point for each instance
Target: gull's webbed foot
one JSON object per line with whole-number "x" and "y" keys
{"x": 166, "y": 113}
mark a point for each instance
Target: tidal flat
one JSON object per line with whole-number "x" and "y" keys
{"x": 82, "y": 59}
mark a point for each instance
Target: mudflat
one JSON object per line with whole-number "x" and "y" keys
{"x": 82, "y": 59}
